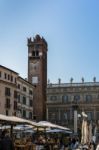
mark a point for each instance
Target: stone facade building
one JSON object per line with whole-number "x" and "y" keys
{"x": 37, "y": 74}
{"x": 35, "y": 99}
{"x": 25, "y": 95}
{"x": 16, "y": 94}
{"x": 61, "y": 99}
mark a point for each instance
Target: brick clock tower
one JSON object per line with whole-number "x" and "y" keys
{"x": 37, "y": 74}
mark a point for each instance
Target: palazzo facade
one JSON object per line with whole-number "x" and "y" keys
{"x": 62, "y": 97}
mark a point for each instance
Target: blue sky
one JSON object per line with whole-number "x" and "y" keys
{"x": 71, "y": 28}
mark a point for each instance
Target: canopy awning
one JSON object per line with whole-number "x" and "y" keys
{"x": 51, "y": 125}
{"x": 16, "y": 120}
{"x": 58, "y": 131}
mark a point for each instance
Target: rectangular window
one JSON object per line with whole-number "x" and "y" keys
{"x": 37, "y": 53}
{"x": 0, "y": 74}
{"x": 15, "y": 105}
{"x": 18, "y": 86}
{"x": 15, "y": 80}
{"x": 88, "y": 98}
{"x": 24, "y": 100}
{"x": 33, "y": 53}
{"x": 97, "y": 115}
{"x": 19, "y": 98}
{"x": 24, "y": 113}
{"x": 24, "y": 89}
{"x": 8, "y": 77}
{"x": 7, "y": 113}
{"x": 7, "y": 91}
{"x": 12, "y": 78}
{"x": 15, "y": 94}
{"x": 30, "y": 115}
{"x": 64, "y": 98}
{"x": 30, "y": 92}
{"x": 31, "y": 103}
{"x": 76, "y": 98}
{"x": 5, "y": 75}
{"x": 53, "y": 98}
{"x": 90, "y": 115}
{"x": 7, "y": 104}
{"x": 14, "y": 113}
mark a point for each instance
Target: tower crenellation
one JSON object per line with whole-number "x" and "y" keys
{"x": 37, "y": 40}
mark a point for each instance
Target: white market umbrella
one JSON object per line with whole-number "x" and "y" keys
{"x": 23, "y": 127}
{"x": 58, "y": 131}
{"x": 52, "y": 125}
{"x": 85, "y": 131}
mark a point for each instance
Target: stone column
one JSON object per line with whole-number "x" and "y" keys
{"x": 59, "y": 114}
{"x": 75, "y": 121}
{"x": 47, "y": 114}
{"x": 75, "y": 107}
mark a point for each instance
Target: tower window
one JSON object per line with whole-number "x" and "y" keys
{"x": 33, "y": 53}
{"x": 37, "y": 53}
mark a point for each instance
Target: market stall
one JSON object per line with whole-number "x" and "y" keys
{"x": 12, "y": 121}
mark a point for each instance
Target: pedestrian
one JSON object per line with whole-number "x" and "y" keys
{"x": 6, "y": 141}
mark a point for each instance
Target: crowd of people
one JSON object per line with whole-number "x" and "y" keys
{"x": 46, "y": 142}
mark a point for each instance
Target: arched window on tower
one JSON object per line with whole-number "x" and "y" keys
{"x": 35, "y": 53}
